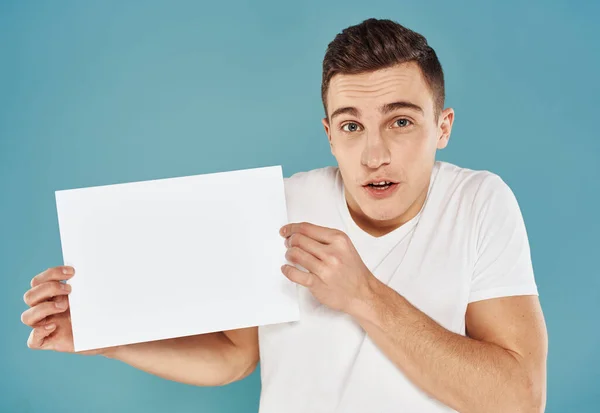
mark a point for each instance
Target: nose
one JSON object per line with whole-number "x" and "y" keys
{"x": 376, "y": 152}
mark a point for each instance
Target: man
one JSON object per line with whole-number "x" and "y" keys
{"x": 417, "y": 290}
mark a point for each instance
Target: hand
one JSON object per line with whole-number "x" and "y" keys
{"x": 336, "y": 276}
{"x": 49, "y": 315}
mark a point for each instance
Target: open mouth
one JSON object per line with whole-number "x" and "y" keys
{"x": 383, "y": 185}
{"x": 381, "y": 189}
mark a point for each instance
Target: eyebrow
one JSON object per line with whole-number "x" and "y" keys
{"x": 387, "y": 108}
{"x": 347, "y": 110}
{"x": 390, "y": 107}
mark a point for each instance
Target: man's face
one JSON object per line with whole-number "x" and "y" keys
{"x": 382, "y": 128}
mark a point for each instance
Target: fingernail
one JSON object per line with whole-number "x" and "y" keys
{"x": 61, "y": 304}
{"x": 49, "y": 327}
{"x": 68, "y": 271}
{"x": 282, "y": 231}
{"x": 66, "y": 287}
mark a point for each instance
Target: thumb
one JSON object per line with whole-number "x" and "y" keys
{"x": 38, "y": 336}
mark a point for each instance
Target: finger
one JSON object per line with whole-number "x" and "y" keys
{"x": 53, "y": 274}
{"x": 321, "y": 234}
{"x": 36, "y": 314}
{"x": 45, "y": 291}
{"x": 38, "y": 336}
{"x": 307, "y": 244}
{"x": 298, "y": 256}
{"x": 303, "y": 278}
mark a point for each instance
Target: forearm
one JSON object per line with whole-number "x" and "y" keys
{"x": 202, "y": 360}
{"x": 466, "y": 374}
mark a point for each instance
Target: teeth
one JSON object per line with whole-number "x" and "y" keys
{"x": 381, "y": 184}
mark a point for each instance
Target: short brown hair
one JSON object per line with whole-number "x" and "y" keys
{"x": 378, "y": 44}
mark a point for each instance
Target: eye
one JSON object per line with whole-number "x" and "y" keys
{"x": 402, "y": 122}
{"x": 350, "y": 127}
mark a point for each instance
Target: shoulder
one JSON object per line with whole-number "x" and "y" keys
{"x": 477, "y": 198}
{"x": 490, "y": 206}
{"x": 312, "y": 181}
{"x": 477, "y": 186}
{"x": 312, "y": 196}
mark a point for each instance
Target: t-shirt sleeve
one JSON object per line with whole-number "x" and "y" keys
{"x": 503, "y": 259}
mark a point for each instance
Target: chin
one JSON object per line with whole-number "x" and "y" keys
{"x": 381, "y": 214}
{"x": 386, "y": 217}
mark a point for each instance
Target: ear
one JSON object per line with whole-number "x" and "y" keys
{"x": 325, "y": 122}
{"x": 445, "y": 127}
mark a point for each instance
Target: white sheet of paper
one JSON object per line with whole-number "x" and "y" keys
{"x": 176, "y": 257}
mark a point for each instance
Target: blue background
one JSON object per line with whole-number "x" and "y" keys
{"x": 95, "y": 93}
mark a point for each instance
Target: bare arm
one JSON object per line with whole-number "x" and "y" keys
{"x": 204, "y": 360}
{"x": 499, "y": 367}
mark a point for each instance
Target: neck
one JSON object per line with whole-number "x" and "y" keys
{"x": 379, "y": 228}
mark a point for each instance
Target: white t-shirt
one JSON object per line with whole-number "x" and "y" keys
{"x": 467, "y": 243}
